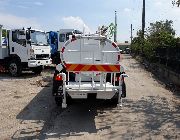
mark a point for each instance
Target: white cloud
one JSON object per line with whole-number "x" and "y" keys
{"x": 76, "y": 23}
{"x": 22, "y": 6}
{"x": 127, "y": 10}
{"x": 38, "y": 3}
{"x": 12, "y": 21}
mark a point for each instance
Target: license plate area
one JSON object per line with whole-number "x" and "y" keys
{"x": 91, "y": 95}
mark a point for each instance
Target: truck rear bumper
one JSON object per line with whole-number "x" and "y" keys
{"x": 96, "y": 94}
{"x": 35, "y": 63}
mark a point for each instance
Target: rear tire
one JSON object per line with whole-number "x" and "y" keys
{"x": 58, "y": 101}
{"x": 37, "y": 70}
{"x": 114, "y": 101}
{"x": 15, "y": 68}
{"x": 123, "y": 90}
{"x": 69, "y": 100}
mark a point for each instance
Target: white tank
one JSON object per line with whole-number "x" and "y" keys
{"x": 90, "y": 50}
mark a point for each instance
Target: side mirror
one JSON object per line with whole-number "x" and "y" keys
{"x": 28, "y": 37}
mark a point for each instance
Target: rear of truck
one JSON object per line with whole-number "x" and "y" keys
{"x": 90, "y": 67}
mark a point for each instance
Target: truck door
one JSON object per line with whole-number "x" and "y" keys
{"x": 17, "y": 44}
{"x": 63, "y": 37}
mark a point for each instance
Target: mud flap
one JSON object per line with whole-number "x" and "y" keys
{"x": 122, "y": 89}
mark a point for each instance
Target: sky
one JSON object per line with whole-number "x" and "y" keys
{"x": 52, "y": 15}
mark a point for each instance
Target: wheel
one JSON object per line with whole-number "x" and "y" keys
{"x": 69, "y": 100}
{"x": 123, "y": 90}
{"x": 114, "y": 101}
{"x": 15, "y": 68}
{"x": 37, "y": 70}
{"x": 58, "y": 101}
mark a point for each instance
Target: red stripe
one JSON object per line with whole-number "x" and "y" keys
{"x": 63, "y": 49}
{"x": 79, "y": 67}
{"x": 114, "y": 44}
{"x": 67, "y": 65}
{"x": 106, "y": 67}
{"x": 118, "y": 67}
{"x": 93, "y": 67}
{"x": 73, "y": 39}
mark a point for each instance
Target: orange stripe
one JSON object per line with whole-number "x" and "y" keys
{"x": 72, "y": 67}
{"x": 101, "y": 68}
{"x": 86, "y": 67}
{"x": 78, "y": 68}
{"x": 83, "y": 67}
{"x": 113, "y": 68}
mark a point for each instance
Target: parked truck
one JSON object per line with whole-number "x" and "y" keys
{"x": 57, "y": 40}
{"x": 26, "y": 49}
{"x": 90, "y": 68}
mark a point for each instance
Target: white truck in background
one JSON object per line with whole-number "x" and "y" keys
{"x": 90, "y": 68}
{"x": 57, "y": 40}
{"x": 25, "y": 49}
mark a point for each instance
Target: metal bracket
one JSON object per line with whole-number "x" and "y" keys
{"x": 64, "y": 104}
{"x": 120, "y": 89}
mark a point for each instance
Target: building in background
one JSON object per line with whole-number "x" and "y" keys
{"x": 124, "y": 47}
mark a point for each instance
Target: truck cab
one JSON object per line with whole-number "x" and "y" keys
{"x": 65, "y": 35}
{"x": 26, "y": 49}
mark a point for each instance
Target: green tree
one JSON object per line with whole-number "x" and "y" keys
{"x": 158, "y": 34}
{"x": 4, "y": 33}
{"x": 136, "y": 45}
{"x": 161, "y": 33}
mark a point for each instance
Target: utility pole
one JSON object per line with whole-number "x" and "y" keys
{"x": 131, "y": 33}
{"x": 115, "y": 33}
{"x": 143, "y": 18}
{"x": 143, "y": 24}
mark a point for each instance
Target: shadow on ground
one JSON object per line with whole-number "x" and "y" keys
{"x": 154, "y": 117}
{"x": 149, "y": 117}
{"x": 26, "y": 74}
{"x": 42, "y": 119}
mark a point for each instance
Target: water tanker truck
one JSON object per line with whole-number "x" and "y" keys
{"x": 90, "y": 68}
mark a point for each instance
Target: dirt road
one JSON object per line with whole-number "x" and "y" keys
{"x": 28, "y": 111}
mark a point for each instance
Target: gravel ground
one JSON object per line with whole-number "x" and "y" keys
{"x": 28, "y": 111}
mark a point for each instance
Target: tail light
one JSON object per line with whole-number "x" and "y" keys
{"x": 58, "y": 78}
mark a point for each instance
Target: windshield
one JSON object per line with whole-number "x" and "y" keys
{"x": 38, "y": 38}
